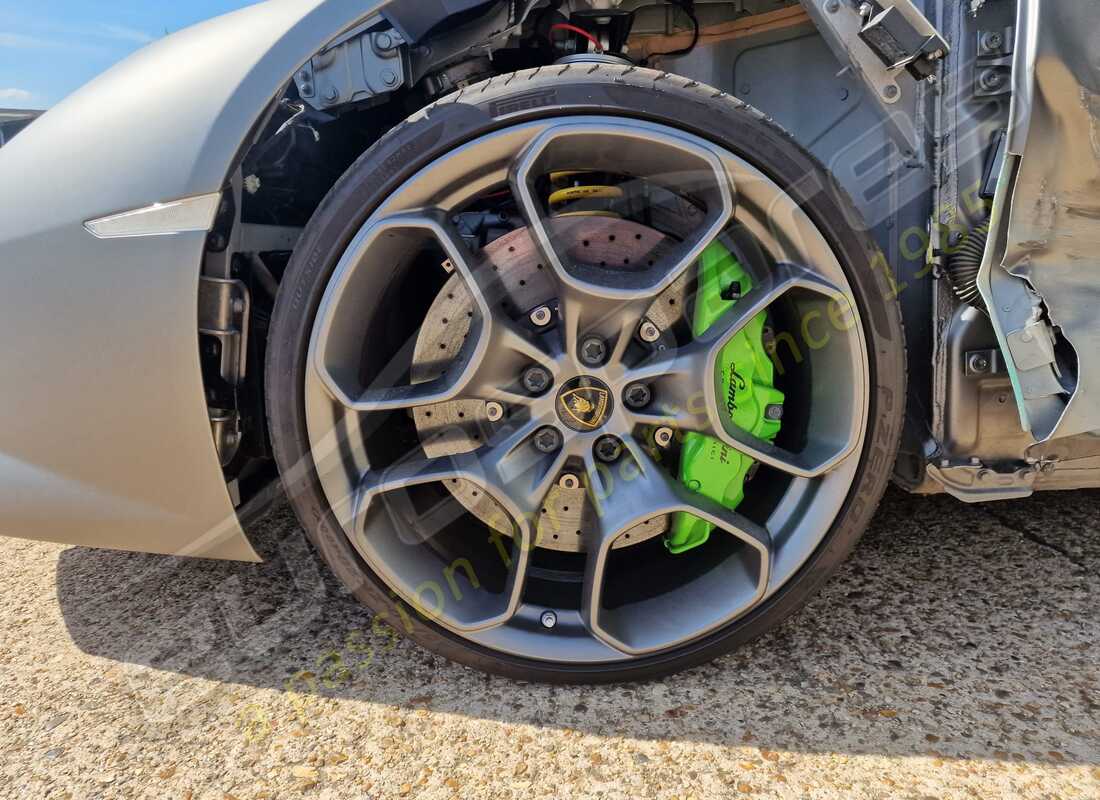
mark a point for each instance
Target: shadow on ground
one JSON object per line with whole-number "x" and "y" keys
{"x": 954, "y": 630}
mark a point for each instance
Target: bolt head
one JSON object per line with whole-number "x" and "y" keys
{"x": 990, "y": 79}
{"x": 569, "y": 481}
{"x": 608, "y": 449}
{"x": 541, "y": 316}
{"x": 663, "y": 436}
{"x": 637, "y": 395}
{"x": 536, "y": 379}
{"x": 593, "y": 351}
{"x": 774, "y": 412}
{"x": 832, "y": 6}
{"x": 548, "y": 619}
{"x": 979, "y": 363}
{"x": 648, "y": 332}
{"x": 494, "y": 411}
{"x": 389, "y": 77}
{"x": 548, "y": 439}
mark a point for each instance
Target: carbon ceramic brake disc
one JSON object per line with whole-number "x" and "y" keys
{"x": 461, "y": 425}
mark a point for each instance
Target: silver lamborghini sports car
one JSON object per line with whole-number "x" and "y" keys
{"x": 583, "y": 336}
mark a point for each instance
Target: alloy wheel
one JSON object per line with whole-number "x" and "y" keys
{"x": 553, "y": 365}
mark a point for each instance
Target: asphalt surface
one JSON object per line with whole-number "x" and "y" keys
{"x": 956, "y": 655}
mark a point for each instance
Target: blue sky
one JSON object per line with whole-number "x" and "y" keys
{"x": 48, "y": 48}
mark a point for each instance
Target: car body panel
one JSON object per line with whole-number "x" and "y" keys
{"x": 106, "y": 440}
{"x": 1046, "y": 236}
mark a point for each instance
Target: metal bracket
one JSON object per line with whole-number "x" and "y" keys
{"x": 974, "y": 483}
{"x": 983, "y": 362}
{"x": 223, "y": 317}
{"x": 993, "y": 66}
{"x": 841, "y": 25}
{"x": 902, "y": 37}
{"x": 225, "y": 425}
{"x": 357, "y": 66}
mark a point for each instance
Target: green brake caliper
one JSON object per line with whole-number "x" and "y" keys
{"x": 746, "y": 377}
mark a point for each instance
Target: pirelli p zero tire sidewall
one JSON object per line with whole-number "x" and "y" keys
{"x": 555, "y": 92}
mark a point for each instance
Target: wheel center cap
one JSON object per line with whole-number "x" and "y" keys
{"x": 584, "y": 403}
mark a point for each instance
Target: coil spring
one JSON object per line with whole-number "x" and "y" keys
{"x": 570, "y": 196}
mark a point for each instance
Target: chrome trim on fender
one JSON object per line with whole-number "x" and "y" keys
{"x": 159, "y": 219}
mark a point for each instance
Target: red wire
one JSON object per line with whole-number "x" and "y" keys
{"x": 565, "y": 26}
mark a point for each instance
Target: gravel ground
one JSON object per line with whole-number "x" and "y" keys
{"x": 954, "y": 656}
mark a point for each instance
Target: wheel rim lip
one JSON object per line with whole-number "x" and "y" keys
{"x": 332, "y": 434}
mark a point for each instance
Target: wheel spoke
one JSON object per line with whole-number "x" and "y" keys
{"x": 388, "y": 527}
{"x": 685, "y": 408}
{"x": 337, "y": 349}
{"x": 688, "y": 165}
{"x": 651, "y": 493}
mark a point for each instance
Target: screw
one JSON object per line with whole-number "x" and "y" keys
{"x": 608, "y": 449}
{"x": 541, "y": 316}
{"x": 773, "y": 411}
{"x": 890, "y": 91}
{"x": 663, "y": 437}
{"x": 569, "y": 481}
{"x": 990, "y": 79}
{"x": 536, "y": 379}
{"x": 593, "y": 351}
{"x": 548, "y": 619}
{"x": 332, "y": 94}
{"x": 648, "y": 332}
{"x": 832, "y": 6}
{"x": 494, "y": 411}
{"x": 637, "y": 395}
{"x": 547, "y": 439}
{"x": 991, "y": 41}
{"x": 389, "y": 77}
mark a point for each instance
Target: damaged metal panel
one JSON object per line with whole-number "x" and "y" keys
{"x": 1041, "y": 278}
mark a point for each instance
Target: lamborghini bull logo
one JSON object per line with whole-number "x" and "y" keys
{"x": 586, "y": 406}
{"x": 584, "y": 403}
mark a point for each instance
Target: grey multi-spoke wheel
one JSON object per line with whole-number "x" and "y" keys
{"x": 585, "y": 375}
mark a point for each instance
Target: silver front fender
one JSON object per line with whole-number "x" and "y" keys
{"x": 104, "y": 436}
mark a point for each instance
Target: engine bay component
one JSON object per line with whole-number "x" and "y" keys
{"x": 748, "y": 398}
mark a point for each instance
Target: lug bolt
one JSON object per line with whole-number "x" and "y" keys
{"x": 541, "y": 316}
{"x": 548, "y": 619}
{"x": 569, "y": 481}
{"x": 608, "y": 449}
{"x": 593, "y": 351}
{"x": 648, "y": 332}
{"x": 547, "y": 439}
{"x": 774, "y": 412}
{"x": 494, "y": 411}
{"x": 637, "y": 395}
{"x": 663, "y": 437}
{"x": 536, "y": 379}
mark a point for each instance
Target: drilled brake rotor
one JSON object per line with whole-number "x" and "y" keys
{"x": 461, "y": 425}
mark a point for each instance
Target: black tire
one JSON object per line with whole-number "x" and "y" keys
{"x": 559, "y": 91}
